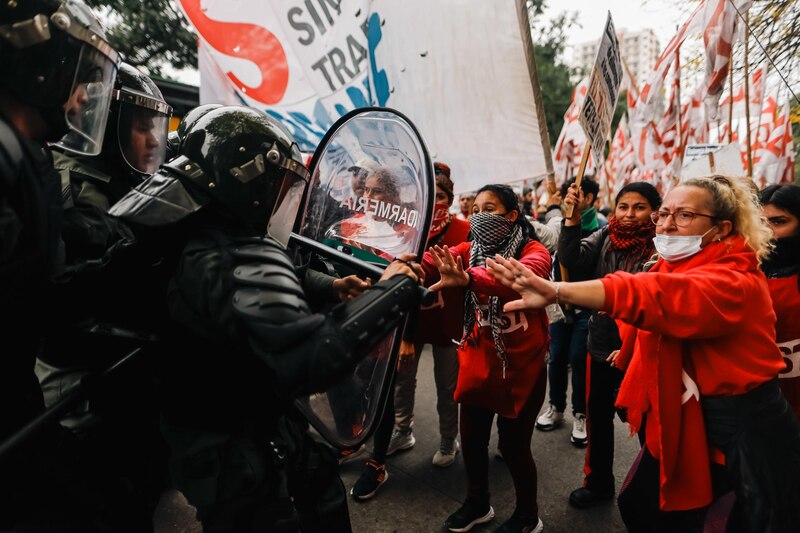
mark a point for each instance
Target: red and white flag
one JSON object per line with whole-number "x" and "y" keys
{"x": 644, "y": 133}
{"x": 776, "y": 163}
{"x": 572, "y": 140}
{"x": 720, "y": 20}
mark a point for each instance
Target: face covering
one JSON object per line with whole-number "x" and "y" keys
{"x": 676, "y": 247}
{"x": 491, "y": 231}
{"x": 441, "y": 217}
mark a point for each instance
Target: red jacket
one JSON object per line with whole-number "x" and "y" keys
{"x": 705, "y": 327}
{"x": 525, "y": 336}
{"x": 443, "y": 321}
{"x": 786, "y": 302}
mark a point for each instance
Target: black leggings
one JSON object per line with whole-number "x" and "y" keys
{"x": 514, "y": 442}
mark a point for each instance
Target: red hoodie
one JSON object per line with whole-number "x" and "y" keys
{"x": 786, "y": 302}
{"x": 705, "y": 326}
{"x": 525, "y": 336}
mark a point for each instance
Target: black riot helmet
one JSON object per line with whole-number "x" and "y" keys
{"x": 54, "y": 57}
{"x": 234, "y": 159}
{"x": 175, "y": 138}
{"x": 140, "y": 121}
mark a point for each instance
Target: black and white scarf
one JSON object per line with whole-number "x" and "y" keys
{"x": 491, "y": 234}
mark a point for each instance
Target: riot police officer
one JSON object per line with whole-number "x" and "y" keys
{"x": 244, "y": 343}
{"x": 57, "y": 79}
{"x": 98, "y": 294}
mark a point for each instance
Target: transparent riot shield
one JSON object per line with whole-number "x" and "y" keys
{"x": 370, "y": 199}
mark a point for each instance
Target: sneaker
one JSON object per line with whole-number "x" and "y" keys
{"x": 401, "y": 440}
{"x": 348, "y": 456}
{"x": 550, "y": 419}
{"x": 578, "y": 437}
{"x": 372, "y": 477}
{"x": 468, "y": 516}
{"x": 448, "y": 448}
{"x": 584, "y": 498}
{"x": 521, "y": 523}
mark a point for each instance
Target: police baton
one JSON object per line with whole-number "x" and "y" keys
{"x": 55, "y": 412}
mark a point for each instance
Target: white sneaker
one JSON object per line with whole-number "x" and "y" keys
{"x": 578, "y": 437}
{"x": 550, "y": 419}
{"x": 401, "y": 441}
{"x": 448, "y": 448}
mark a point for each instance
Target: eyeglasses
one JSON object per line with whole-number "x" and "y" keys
{"x": 682, "y": 218}
{"x": 437, "y": 170}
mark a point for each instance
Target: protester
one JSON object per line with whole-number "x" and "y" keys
{"x": 704, "y": 370}
{"x": 781, "y": 207}
{"x": 438, "y": 324}
{"x": 625, "y": 244}
{"x": 501, "y": 357}
{"x": 45, "y": 96}
{"x": 548, "y": 231}
{"x": 465, "y": 201}
{"x": 568, "y": 334}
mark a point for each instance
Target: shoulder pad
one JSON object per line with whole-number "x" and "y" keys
{"x": 262, "y": 251}
{"x": 269, "y": 306}
{"x": 77, "y": 169}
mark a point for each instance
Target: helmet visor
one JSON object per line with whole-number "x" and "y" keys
{"x": 86, "y": 110}
{"x": 287, "y": 205}
{"x": 142, "y": 136}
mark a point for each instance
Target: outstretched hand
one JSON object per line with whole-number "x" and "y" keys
{"x": 451, "y": 269}
{"x": 536, "y": 292}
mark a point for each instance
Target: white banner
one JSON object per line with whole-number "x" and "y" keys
{"x": 601, "y": 99}
{"x": 457, "y": 69}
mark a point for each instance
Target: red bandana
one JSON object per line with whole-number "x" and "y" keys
{"x": 441, "y": 217}
{"x": 636, "y": 239}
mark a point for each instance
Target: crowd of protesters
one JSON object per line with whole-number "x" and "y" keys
{"x": 678, "y": 314}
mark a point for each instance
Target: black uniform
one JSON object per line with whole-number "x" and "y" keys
{"x": 242, "y": 343}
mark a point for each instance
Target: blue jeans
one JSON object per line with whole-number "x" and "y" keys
{"x": 568, "y": 347}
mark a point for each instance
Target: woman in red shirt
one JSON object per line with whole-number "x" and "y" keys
{"x": 501, "y": 358}
{"x": 704, "y": 367}
{"x": 781, "y": 207}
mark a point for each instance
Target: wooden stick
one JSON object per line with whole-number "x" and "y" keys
{"x": 747, "y": 95}
{"x": 579, "y": 177}
{"x": 730, "y": 105}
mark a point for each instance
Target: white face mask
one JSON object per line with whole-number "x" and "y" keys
{"x": 676, "y": 247}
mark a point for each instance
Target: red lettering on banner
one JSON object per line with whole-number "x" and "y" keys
{"x": 245, "y": 41}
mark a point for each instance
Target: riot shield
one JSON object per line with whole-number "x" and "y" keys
{"x": 370, "y": 199}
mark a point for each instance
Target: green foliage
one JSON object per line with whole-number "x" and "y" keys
{"x": 555, "y": 78}
{"x": 149, "y": 33}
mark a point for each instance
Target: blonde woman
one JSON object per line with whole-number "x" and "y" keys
{"x": 704, "y": 368}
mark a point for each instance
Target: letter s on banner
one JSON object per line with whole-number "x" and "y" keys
{"x": 245, "y": 41}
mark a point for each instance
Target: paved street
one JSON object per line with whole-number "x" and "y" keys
{"x": 418, "y": 497}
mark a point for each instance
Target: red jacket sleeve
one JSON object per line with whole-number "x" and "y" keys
{"x": 703, "y": 303}
{"x": 535, "y": 257}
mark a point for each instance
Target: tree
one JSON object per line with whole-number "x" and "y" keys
{"x": 555, "y": 78}
{"x": 149, "y": 34}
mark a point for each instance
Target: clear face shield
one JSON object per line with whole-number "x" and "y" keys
{"x": 86, "y": 109}
{"x": 142, "y": 128}
{"x": 287, "y": 205}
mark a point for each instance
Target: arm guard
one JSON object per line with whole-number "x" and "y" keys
{"x": 309, "y": 352}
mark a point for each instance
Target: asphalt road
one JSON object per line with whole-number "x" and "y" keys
{"x": 418, "y": 497}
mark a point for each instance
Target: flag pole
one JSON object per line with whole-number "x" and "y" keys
{"x": 747, "y": 93}
{"x": 530, "y": 59}
{"x": 730, "y": 104}
{"x": 579, "y": 178}
{"x": 679, "y": 134}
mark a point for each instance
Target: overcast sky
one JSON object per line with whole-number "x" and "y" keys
{"x": 661, "y": 16}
